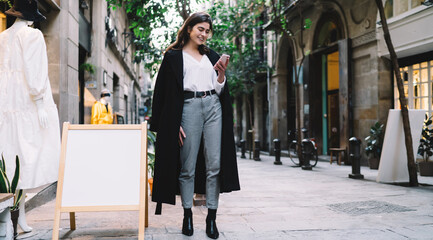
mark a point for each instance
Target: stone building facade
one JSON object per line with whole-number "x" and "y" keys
{"x": 87, "y": 31}
{"x": 341, "y": 91}
{"x": 343, "y": 94}
{"x": 346, "y": 76}
{"x": 110, "y": 49}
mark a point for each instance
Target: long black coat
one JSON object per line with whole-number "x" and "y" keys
{"x": 167, "y": 110}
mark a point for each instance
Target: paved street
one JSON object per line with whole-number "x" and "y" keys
{"x": 276, "y": 202}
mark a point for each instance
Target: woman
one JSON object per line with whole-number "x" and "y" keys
{"x": 192, "y": 114}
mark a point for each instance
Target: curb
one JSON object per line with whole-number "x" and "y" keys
{"x": 45, "y": 195}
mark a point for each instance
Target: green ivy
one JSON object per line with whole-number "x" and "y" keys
{"x": 144, "y": 16}
{"x": 8, "y": 2}
{"x": 237, "y": 22}
{"x": 231, "y": 26}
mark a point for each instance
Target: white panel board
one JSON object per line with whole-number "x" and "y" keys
{"x": 102, "y": 168}
{"x": 393, "y": 160}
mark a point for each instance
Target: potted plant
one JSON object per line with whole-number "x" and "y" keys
{"x": 8, "y": 187}
{"x": 88, "y": 70}
{"x": 425, "y": 148}
{"x": 374, "y": 145}
{"x": 87, "y": 67}
{"x": 151, "y": 137}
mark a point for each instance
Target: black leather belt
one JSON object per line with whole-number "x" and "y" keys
{"x": 189, "y": 94}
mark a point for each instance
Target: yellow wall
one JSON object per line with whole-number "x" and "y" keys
{"x": 333, "y": 73}
{"x": 2, "y": 22}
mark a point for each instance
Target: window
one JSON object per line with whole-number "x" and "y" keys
{"x": 2, "y": 22}
{"x": 416, "y": 3}
{"x": 389, "y": 12}
{"x": 329, "y": 30}
{"x": 401, "y": 6}
{"x": 397, "y": 7}
{"x": 418, "y": 86}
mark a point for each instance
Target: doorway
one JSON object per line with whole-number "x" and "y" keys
{"x": 328, "y": 72}
{"x": 125, "y": 97}
{"x": 265, "y": 119}
{"x": 116, "y": 93}
{"x": 291, "y": 98}
{"x": 81, "y": 84}
{"x": 330, "y": 101}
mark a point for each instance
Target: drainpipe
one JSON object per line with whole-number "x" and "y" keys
{"x": 268, "y": 83}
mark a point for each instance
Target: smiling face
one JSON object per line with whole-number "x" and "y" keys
{"x": 199, "y": 33}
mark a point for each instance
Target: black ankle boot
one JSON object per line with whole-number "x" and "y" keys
{"x": 187, "y": 227}
{"x": 211, "y": 228}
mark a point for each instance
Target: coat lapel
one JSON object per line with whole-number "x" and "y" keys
{"x": 177, "y": 66}
{"x": 213, "y": 57}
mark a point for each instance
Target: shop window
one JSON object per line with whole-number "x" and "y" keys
{"x": 389, "y": 9}
{"x": 416, "y": 3}
{"x": 418, "y": 86}
{"x": 397, "y": 7}
{"x": 2, "y": 22}
{"x": 401, "y": 6}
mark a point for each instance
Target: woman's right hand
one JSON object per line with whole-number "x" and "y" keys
{"x": 181, "y": 136}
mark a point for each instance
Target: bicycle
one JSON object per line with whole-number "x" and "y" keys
{"x": 293, "y": 148}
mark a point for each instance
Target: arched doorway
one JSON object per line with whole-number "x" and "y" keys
{"x": 291, "y": 97}
{"x": 329, "y": 84}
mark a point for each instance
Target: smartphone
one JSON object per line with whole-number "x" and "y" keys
{"x": 225, "y": 58}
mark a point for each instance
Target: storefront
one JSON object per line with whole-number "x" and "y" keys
{"x": 409, "y": 24}
{"x": 418, "y": 85}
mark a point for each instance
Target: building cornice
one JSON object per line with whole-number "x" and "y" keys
{"x": 364, "y": 39}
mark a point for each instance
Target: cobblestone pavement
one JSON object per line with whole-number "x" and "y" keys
{"x": 276, "y": 202}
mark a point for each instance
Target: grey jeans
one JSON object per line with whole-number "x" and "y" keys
{"x": 201, "y": 117}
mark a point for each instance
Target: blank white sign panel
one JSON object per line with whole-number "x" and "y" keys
{"x": 102, "y": 168}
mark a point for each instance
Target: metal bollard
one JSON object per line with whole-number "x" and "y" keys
{"x": 256, "y": 150}
{"x": 355, "y": 158}
{"x": 307, "y": 153}
{"x": 277, "y": 151}
{"x": 243, "y": 148}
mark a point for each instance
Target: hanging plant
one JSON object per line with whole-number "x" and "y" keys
{"x": 88, "y": 68}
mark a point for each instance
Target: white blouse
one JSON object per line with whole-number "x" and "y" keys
{"x": 200, "y": 76}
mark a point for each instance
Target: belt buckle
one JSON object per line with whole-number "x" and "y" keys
{"x": 204, "y": 95}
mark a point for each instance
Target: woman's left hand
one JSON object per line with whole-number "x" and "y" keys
{"x": 221, "y": 68}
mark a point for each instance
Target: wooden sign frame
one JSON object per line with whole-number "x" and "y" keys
{"x": 142, "y": 206}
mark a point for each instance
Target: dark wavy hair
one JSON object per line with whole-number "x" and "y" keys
{"x": 183, "y": 35}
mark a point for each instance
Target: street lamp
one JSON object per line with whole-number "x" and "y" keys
{"x": 128, "y": 39}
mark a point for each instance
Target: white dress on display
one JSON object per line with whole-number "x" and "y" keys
{"x": 24, "y": 80}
